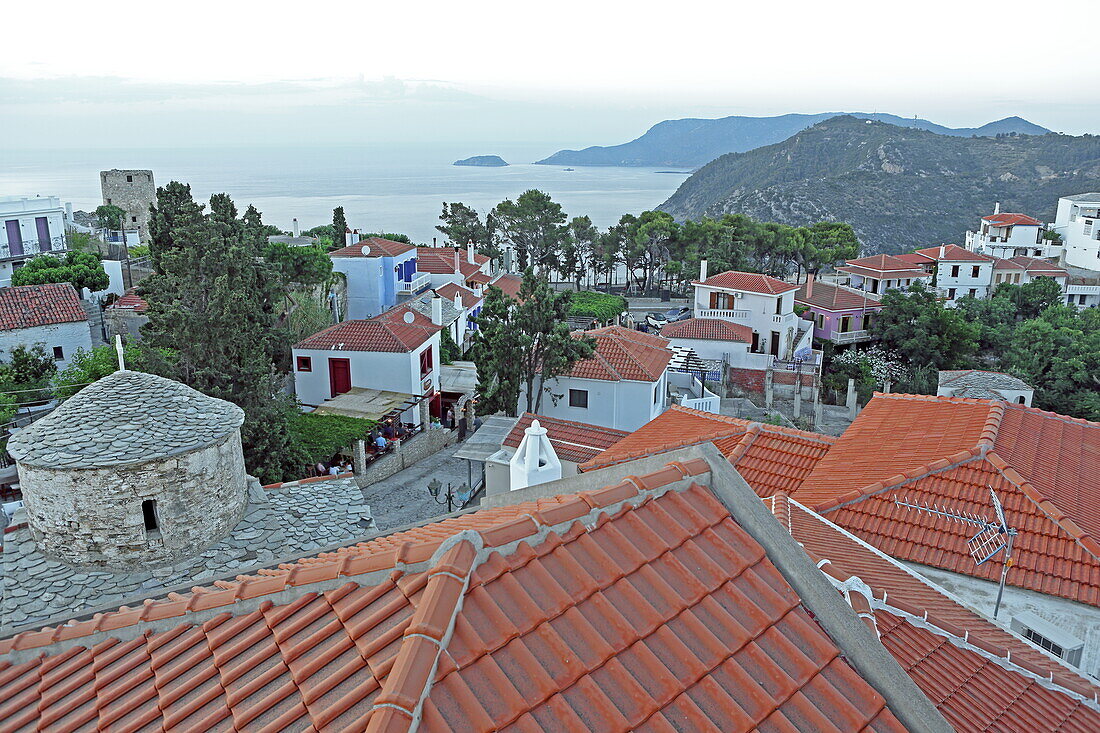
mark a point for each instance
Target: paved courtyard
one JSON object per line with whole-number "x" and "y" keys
{"x": 404, "y": 499}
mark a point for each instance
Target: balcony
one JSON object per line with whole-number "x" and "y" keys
{"x": 850, "y": 337}
{"x": 416, "y": 285}
{"x": 725, "y": 314}
{"x": 31, "y": 247}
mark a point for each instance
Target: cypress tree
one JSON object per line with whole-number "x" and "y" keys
{"x": 339, "y": 228}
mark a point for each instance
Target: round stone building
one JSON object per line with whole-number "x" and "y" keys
{"x": 133, "y": 471}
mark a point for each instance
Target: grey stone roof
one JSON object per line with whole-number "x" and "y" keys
{"x": 126, "y": 417}
{"x": 423, "y": 304}
{"x": 975, "y": 381}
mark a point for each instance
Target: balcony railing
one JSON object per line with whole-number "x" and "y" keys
{"x": 414, "y": 286}
{"x": 850, "y": 337}
{"x": 725, "y": 314}
{"x": 32, "y": 247}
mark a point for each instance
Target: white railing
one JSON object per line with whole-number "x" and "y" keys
{"x": 415, "y": 285}
{"x": 849, "y": 337}
{"x": 724, "y": 313}
{"x": 1083, "y": 290}
{"x": 703, "y": 404}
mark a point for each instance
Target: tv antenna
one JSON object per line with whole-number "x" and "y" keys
{"x": 992, "y": 536}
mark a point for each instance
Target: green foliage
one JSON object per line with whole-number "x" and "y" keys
{"x": 9, "y": 405}
{"x": 82, "y": 269}
{"x": 462, "y": 224}
{"x": 308, "y": 265}
{"x": 214, "y": 301}
{"x": 1031, "y": 299}
{"x": 27, "y": 372}
{"x": 448, "y": 349}
{"x": 601, "y": 306}
{"x": 535, "y": 226}
{"x": 306, "y": 316}
{"x": 323, "y": 231}
{"x": 88, "y": 366}
{"x": 319, "y": 437}
{"x": 82, "y": 241}
{"x": 339, "y": 228}
{"x": 392, "y": 236}
{"x": 110, "y": 216}
{"x": 138, "y": 250}
{"x": 518, "y": 348}
{"x": 917, "y": 326}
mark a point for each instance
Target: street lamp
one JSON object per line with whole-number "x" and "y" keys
{"x": 435, "y": 487}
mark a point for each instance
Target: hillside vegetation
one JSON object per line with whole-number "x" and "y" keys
{"x": 898, "y": 187}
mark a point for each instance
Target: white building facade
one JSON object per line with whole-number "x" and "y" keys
{"x": 32, "y": 225}
{"x": 763, "y": 304}
{"x": 47, "y": 315}
{"x": 1078, "y": 223}
{"x": 960, "y": 272}
{"x": 1011, "y": 235}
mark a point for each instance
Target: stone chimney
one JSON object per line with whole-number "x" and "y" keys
{"x": 437, "y": 310}
{"x": 294, "y": 225}
{"x": 703, "y": 269}
{"x": 470, "y": 253}
{"x": 997, "y": 208}
{"x": 458, "y": 264}
{"x": 809, "y": 284}
{"x": 535, "y": 461}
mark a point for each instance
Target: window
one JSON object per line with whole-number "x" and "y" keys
{"x": 108, "y": 202}
{"x": 974, "y": 271}
{"x": 1021, "y": 400}
{"x": 1045, "y": 643}
{"x": 578, "y": 398}
{"x": 58, "y": 353}
{"x": 149, "y": 514}
{"x": 426, "y": 361}
{"x": 954, "y": 270}
{"x": 133, "y": 218}
{"x": 779, "y": 306}
{"x": 951, "y": 293}
{"x": 721, "y": 301}
{"x": 1088, "y": 227}
{"x": 305, "y": 363}
{"x": 973, "y": 292}
{"x": 129, "y": 179}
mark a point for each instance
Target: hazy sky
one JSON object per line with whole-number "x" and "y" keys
{"x": 572, "y": 73}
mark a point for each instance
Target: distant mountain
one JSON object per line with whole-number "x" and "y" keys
{"x": 485, "y": 161}
{"x": 694, "y": 142}
{"x": 898, "y": 187}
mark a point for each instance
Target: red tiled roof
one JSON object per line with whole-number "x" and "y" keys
{"x": 510, "y": 284}
{"x": 622, "y": 353}
{"x": 1002, "y": 264}
{"x": 1007, "y": 220}
{"x": 914, "y": 259}
{"x": 950, "y": 452}
{"x": 385, "y": 332}
{"x": 751, "y": 282}
{"x": 951, "y": 637}
{"x": 770, "y": 458}
{"x": 572, "y": 441}
{"x": 827, "y": 296}
{"x": 448, "y": 291}
{"x": 884, "y": 264}
{"x": 373, "y": 247}
{"x": 441, "y": 261}
{"x": 131, "y": 301}
{"x": 707, "y": 329}
{"x": 29, "y": 306}
{"x": 619, "y": 609}
{"x": 954, "y": 253}
{"x": 476, "y": 276}
{"x": 1035, "y": 266}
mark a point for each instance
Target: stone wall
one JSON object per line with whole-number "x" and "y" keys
{"x": 93, "y": 517}
{"x": 133, "y": 196}
{"x": 407, "y": 454}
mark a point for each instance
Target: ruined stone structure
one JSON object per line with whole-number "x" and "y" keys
{"x": 133, "y": 191}
{"x": 133, "y": 471}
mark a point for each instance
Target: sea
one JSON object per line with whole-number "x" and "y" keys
{"x": 382, "y": 187}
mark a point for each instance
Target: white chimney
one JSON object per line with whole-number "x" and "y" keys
{"x": 353, "y": 237}
{"x": 997, "y": 208}
{"x": 437, "y": 310}
{"x": 294, "y": 224}
{"x": 943, "y": 251}
{"x": 458, "y": 300}
{"x": 535, "y": 461}
{"x": 703, "y": 269}
{"x": 470, "y": 252}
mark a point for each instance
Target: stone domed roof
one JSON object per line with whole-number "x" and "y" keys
{"x": 126, "y": 417}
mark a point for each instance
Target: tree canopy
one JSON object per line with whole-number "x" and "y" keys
{"x": 82, "y": 269}
{"x": 309, "y": 265}
{"x": 534, "y": 224}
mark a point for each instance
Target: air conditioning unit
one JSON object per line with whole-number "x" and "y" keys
{"x": 738, "y": 294}
{"x": 1049, "y": 637}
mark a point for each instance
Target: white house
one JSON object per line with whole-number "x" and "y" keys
{"x": 469, "y": 301}
{"x": 1078, "y": 222}
{"x": 880, "y": 273}
{"x": 1008, "y": 235}
{"x": 623, "y": 385}
{"x": 959, "y": 272}
{"x": 380, "y": 273}
{"x": 50, "y": 315}
{"x": 1022, "y": 270}
{"x": 981, "y": 385}
{"x": 396, "y": 352}
{"x": 32, "y": 225}
{"x": 711, "y": 338}
{"x": 453, "y": 265}
{"x": 763, "y": 304}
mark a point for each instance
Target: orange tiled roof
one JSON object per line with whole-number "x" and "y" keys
{"x": 29, "y": 306}
{"x": 131, "y": 301}
{"x": 385, "y": 332}
{"x": 1003, "y": 264}
{"x": 448, "y": 291}
{"x": 622, "y": 353}
{"x": 751, "y": 282}
{"x": 1036, "y": 266}
{"x": 914, "y": 259}
{"x": 443, "y": 260}
{"x": 1006, "y": 220}
{"x": 770, "y": 458}
{"x": 644, "y": 604}
{"x": 373, "y": 247}
{"x": 510, "y": 284}
{"x": 835, "y": 298}
{"x": 953, "y": 253}
{"x": 708, "y": 329}
{"x": 950, "y": 451}
{"x": 572, "y": 441}
{"x": 883, "y": 267}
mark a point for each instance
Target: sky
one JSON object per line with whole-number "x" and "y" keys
{"x": 566, "y": 74}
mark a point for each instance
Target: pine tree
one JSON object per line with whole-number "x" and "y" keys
{"x": 213, "y": 304}
{"x": 339, "y": 228}
{"x": 174, "y": 212}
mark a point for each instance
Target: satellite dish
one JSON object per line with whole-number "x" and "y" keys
{"x": 409, "y": 317}
{"x": 366, "y": 250}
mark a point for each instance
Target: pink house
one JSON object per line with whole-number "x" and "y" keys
{"x": 840, "y": 314}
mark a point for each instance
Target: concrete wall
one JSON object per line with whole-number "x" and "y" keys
{"x": 134, "y": 196}
{"x": 1079, "y": 225}
{"x": 93, "y": 517}
{"x": 498, "y": 478}
{"x": 69, "y": 336}
{"x": 123, "y": 322}
{"x": 954, "y": 287}
{"x": 364, "y": 285}
{"x": 406, "y": 454}
{"x": 623, "y": 405}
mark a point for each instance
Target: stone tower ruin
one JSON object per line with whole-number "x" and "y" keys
{"x": 134, "y": 192}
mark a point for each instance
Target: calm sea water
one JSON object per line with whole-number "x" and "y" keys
{"x": 396, "y": 188}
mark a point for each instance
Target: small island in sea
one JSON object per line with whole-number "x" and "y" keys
{"x": 488, "y": 161}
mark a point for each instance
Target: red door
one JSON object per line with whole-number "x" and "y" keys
{"x": 339, "y": 375}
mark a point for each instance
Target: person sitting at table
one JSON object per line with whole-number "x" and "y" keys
{"x": 334, "y": 470}
{"x": 380, "y": 443}
{"x": 387, "y": 430}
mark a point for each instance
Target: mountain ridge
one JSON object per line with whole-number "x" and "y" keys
{"x": 692, "y": 142}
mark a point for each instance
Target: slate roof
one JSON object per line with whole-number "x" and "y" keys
{"x": 827, "y": 296}
{"x": 1084, "y": 197}
{"x": 978, "y": 674}
{"x": 951, "y": 451}
{"x": 124, "y": 418}
{"x": 374, "y": 247}
{"x": 29, "y": 306}
{"x": 643, "y": 605}
{"x": 572, "y": 441}
{"x": 707, "y": 329}
{"x": 953, "y": 253}
{"x": 751, "y": 282}
{"x": 968, "y": 378}
{"x": 387, "y": 332}
{"x": 769, "y": 457}
{"x": 1007, "y": 220}
{"x": 422, "y": 304}
{"x": 622, "y": 353}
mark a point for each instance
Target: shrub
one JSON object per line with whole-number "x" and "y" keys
{"x": 319, "y": 437}
{"x": 601, "y": 306}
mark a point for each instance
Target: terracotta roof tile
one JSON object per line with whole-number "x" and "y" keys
{"x": 835, "y": 297}
{"x": 510, "y": 284}
{"x": 1039, "y": 267}
{"x": 373, "y": 247}
{"x": 442, "y": 261}
{"x": 707, "y": 329}
{"x": 28, "y": 306}
{"x": 386, "y": 332}
{"x": 748, "y": 281}
{"x": 572, "y": 441}
{"x": 953, "y": 253}
{"x": 1006, "y": 220}
{"x": 131, "y": 301}
{"x": 888, "y": 265}
{"x": 661, "y": 612}
{"x": 449, "y": 290}
{"x": 622, "y": 353}
{"x": 1002, "y": 264}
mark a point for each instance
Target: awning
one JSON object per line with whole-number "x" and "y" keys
{"x": 487, "y": 439}
{"x": 461, "y": 376}
{"x": 369, "y": 404}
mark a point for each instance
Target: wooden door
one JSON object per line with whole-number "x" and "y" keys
{"x": 339, "y": 375}
{"x": 773, "y": 346}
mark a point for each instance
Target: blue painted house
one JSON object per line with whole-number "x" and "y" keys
{"x": 380, "y": 273}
